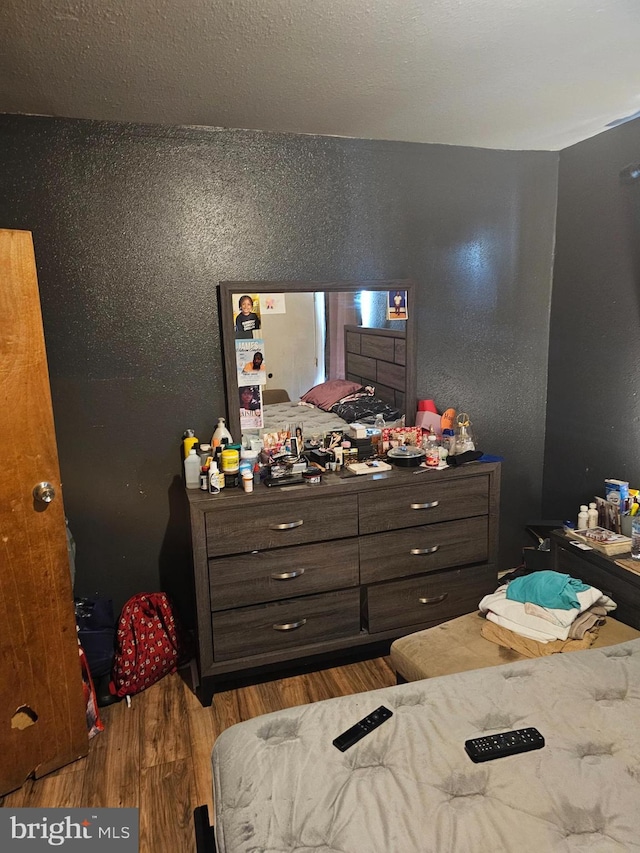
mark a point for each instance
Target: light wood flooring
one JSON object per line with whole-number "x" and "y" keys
{"x": 155, "y": 755}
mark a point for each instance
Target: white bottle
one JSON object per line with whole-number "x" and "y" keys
{"x": 583, "y": 517}
{"x": 592, "y": 515}
{"x": 192, "y": 470}
{"x": 221, "y": 432}
{"x": 214, "y": 479}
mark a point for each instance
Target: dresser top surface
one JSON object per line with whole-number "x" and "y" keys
{"x": 336, "y": 484}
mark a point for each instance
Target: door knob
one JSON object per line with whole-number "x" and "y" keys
{"x": 44, "y": 492}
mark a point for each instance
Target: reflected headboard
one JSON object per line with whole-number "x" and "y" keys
{"x": 377, "y": 357}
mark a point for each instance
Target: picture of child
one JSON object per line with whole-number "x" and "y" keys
{"x": 249, "y": 398}
{"x": 247, "y": 320}
{"x": 250, "y": 401}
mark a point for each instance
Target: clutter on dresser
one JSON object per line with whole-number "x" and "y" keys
{"x": 288, "y": 455}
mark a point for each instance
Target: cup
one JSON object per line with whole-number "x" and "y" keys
{"x": 635, "y": 538}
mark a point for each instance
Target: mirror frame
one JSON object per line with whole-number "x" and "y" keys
{"x": 226, "y": 289}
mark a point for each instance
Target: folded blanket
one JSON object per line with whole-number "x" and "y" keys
{"x": 540, "y": 623}
{"x": 531, "y": 648}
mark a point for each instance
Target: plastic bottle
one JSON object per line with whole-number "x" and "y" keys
{"x": 214, "y": 479}
{"x": 192, "y": 470}
{"x": 379, "y": 422}
{"x": 189, "y": 439}
{"x": 583, "y": 517}
{"x": 592, "y": 515}
{"x": 221, "y": 432}
{"x": 204, "y": 478}
{"x": 432, "y": 451}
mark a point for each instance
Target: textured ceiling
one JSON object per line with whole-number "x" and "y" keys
{"x": 515, "y": 74}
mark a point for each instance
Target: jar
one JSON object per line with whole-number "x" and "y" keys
{"x": 230, "y": 461}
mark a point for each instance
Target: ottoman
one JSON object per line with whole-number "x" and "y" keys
{"x": 457, "y": 646}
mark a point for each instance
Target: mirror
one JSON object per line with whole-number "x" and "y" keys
{"x": 287, "y": 337}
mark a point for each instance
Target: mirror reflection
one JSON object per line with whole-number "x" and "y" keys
{"x": 320, "y": 357}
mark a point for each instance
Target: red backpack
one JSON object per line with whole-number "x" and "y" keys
{"x": 149, "y": 644}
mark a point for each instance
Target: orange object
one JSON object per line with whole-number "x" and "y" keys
{"x": 448, "y": 419}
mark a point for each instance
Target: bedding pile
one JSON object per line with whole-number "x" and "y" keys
{"x": 547, "y": 606}
{"x": 351, "y": 401}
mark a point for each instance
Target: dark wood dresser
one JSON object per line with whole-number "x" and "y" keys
{"x": 601, "y": 571}
{"x": 288, "y": 573}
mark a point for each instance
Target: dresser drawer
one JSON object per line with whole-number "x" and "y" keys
{"x": 282, "y": 573}
{"x": 273, "y": 525}
{"x": 429, "y": 598}
{"x": 290, "y": 624}
{"x": 423, "y": 503}
{"x": 384, "y": 556}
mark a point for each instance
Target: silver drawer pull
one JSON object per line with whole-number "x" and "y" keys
{"x": 289, "y": 626}
{"x": 420, "y": 551}
{"x": 425, "y": 506}
{"x": 288, "y": 525}
{"x": 435, "y": 600}
{"x": 285, "y": 576}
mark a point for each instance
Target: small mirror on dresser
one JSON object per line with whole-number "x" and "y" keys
{"x": 281, "y": 339}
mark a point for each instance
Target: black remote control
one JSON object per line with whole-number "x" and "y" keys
{"x": 366, "y": 725}
{"x": 505, "y": 743}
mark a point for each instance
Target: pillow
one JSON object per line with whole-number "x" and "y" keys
{"x": 328, "y": 393}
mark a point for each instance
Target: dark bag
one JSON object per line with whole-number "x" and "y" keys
{"x": 96, "y": 633}
{"x": 149, "y": 645}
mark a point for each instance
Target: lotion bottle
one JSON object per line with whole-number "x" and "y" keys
{"x": 592, "y": 515}
{"x": 189, "y": 439}
{"x": 192, "y": 470}
{"x": 583, "y": 517}
{"x": 221, "y": 432}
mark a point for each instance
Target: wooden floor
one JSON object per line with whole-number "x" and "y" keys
{"x": 155, "y": 755}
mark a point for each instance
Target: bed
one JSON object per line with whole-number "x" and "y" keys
{"x": 374, "y": 359}
{"x": 409, "y": 787}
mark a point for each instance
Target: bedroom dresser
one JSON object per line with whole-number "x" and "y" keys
{"x": 289, "y": 573}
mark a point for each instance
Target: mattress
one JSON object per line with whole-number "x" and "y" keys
{"x": 314, "y": 421}
{"x": 409, "y": 787}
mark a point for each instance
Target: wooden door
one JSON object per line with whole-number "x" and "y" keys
{"x": 42, "y": 711}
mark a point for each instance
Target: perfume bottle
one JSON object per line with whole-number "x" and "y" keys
{"x": 463, "y": 439}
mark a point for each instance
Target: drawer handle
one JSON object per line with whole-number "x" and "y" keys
{"x": 435, "y": 600}
{"x": 420, "y": 551}
{"x": 289, "y": 626}
{"x": 288, "y": 525}
{"x": 285, "y": 576}
{"x": 425, "y": 506}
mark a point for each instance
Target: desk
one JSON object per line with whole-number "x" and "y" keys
{"x": 601, "y": 571}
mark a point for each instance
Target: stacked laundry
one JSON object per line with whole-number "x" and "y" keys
{"x": 547, "y": 606}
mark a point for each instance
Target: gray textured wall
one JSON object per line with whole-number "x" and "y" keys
{"x": 134, "y": 226}
{"x": 593, "y": 416}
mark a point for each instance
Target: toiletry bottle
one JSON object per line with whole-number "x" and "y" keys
{"x": 204, "y": 478}
{"x": 432, "y": 451}
{"x": 189, "y": 439}
{"x": 592, "y": 515}
{"x": 214, "y": 479}
{"x": 192, "y": 470}
{"x": 221, "y": 432}
{"x": 583, "y": 517}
